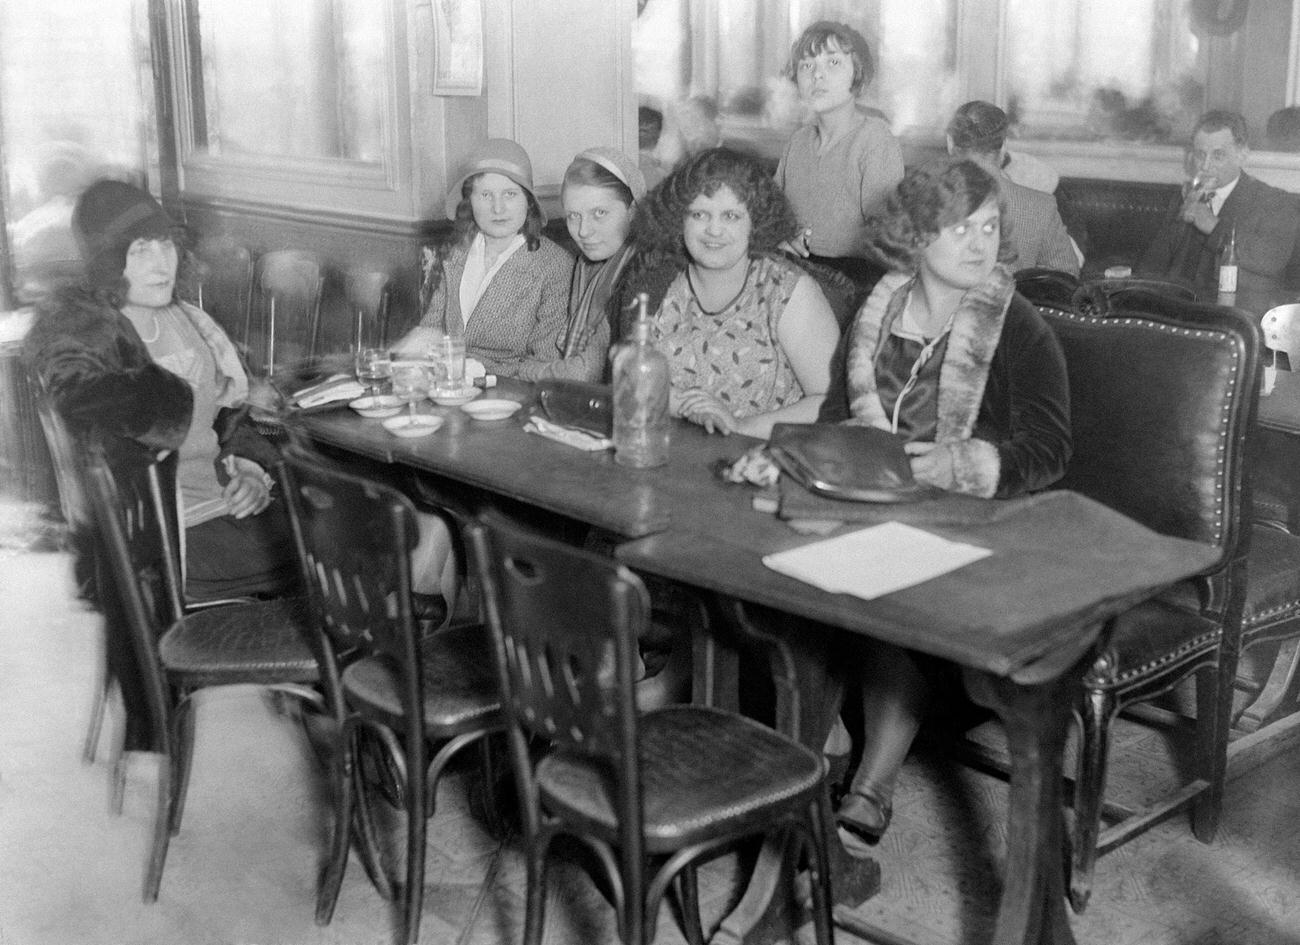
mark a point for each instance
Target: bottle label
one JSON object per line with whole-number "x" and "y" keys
{"x": 1228, "y": 278}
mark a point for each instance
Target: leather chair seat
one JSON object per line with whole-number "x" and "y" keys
{"x": 457, "y": 667}
{"x": 1272, "y": 591}
{"x": 261, "y": 642}
{"x": 1159, "y": 634}
{"x": 704, "y": 771}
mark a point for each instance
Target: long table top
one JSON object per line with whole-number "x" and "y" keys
{"x": 1061, "y": 562}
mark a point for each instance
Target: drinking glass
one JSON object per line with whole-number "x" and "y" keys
{"x": 410, "y": 384}
{"x": 451, "y": 380}
{"x": 373, "y": 365}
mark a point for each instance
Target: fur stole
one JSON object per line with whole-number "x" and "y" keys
{"x": 976, "y": 332}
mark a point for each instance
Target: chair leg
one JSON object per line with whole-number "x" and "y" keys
{"x": 1213, "y": 722}
{"x": 1276, "y": 690}
{"x": 162, "y": 832}
{"x": 98, "y": 707}
{"x": 688, "y": 896}
{"x": 416, "y": 826}
{"x": 822, "y": 901}
{"x": 363, "y": 825}
{"x": 1094, "y": 752}
{"x": 327, "y": 893}
{"x": 117, "y": 781}
{"x": 535, "y": 901}
{"x": 182, "y": 758}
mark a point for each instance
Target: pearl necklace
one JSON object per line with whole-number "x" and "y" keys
{"x": 157, "y": 324}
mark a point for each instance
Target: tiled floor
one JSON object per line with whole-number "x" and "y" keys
{"x": 243, "y": 868}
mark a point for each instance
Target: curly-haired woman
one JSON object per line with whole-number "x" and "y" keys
{"x": 749, "y": 336}
{"x": 945, "y": 354}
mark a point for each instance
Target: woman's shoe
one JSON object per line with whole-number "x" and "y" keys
{"x": 865, "y": 812}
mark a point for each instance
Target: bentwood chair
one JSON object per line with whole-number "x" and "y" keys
{"x": 653, "y": 794}
{"x": 369, "y": 295}
{"x": 225, "y": 288}
{"x": 1163, "y": 394}
{"x": 286, "y": 313}
{"x": 354, "y": 538}
{"x": 177, "y": 653}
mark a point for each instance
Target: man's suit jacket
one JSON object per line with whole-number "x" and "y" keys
{"x": 1037, "y": 232}
{"x": 522, "y": 313}
{"x": 1267, "y": 224}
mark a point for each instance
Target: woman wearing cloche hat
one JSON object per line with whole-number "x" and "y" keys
{"x": 504, "y": 280}
{"x": 134, "y": 370}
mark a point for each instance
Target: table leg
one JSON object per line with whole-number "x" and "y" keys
{"x": 767, "y": 912}
{"x": 1033, "y": 907}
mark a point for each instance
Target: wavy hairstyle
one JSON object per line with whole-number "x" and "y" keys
{"x": 658, "y": 226}
{"x": 465, "y": 229}
{"x": 926, "y": 200}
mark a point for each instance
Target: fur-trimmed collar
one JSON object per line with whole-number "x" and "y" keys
{"x": 976, "y": 331}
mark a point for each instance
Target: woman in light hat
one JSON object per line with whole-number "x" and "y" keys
{"x": 506, "y": 282}
{"x": 599, "y": 195}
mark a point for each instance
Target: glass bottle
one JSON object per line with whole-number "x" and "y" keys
{"x": 641, "y": 419}
{"x": 1228, "y": 264}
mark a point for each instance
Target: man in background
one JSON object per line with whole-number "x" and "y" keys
{"x": 1221, "y": 200}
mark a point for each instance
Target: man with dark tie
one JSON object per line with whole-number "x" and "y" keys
{"x": 1218, "y": 201}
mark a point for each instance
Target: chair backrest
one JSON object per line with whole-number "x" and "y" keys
{"x": 64, "y": 455}
{"x": 1044, "y": 286}
{"x": 354, "y": 537}
{"x": 564, "y": 624}
{"x": 369, "y": 298}
{"x": 141, "y": 568}
{"x": 226, "y": 285}
{"x": 1163, "y": 393}
{"x": 287, "y": 317}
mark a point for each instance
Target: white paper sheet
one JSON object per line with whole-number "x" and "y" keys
{"x": 875, "y": 561}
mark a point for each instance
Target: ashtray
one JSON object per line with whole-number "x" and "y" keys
{"x": 421, "y": 424}
{"x": 494, "y": 409}
{"x": 377, "y": 406}
{"x": 455, "y": 399}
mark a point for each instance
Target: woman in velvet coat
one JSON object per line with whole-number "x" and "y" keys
{"x": 946, "y": 355}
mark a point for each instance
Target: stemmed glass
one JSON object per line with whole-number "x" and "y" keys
{"x": 411, "y": 384}
{"x": 373, "y": 366}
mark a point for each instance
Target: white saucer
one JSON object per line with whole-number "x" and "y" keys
{"x": 422, "y": 424}
{"x": 377, "y": 406}
{"x": 492, "y": 409}
{"x": 464, "y": 396}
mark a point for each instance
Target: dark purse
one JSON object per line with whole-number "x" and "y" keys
{"x": 851, "y": 463}
{"x": 577, "y": 404}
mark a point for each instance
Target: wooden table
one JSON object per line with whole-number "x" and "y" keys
{"x": 1018, "y": 622}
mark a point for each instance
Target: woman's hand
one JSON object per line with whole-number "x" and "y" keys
{"x": 798, "y": 245}
{"x": 931, "y": 466}
{"x": 699, "y": 406}
{"x": 247, "y": 492}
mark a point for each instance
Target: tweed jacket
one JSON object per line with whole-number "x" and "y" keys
{"x": 1004, "y": 397}
{"x": 1037, "y": 232}
{"x": 1267, "y": 223}
{"x": 522, "y": 315}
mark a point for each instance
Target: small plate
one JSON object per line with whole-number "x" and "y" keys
{"x": 422, "y": 424}
{"x": 465, "y": 395}
{"x": 494, "y": 409}
{"x": 377, "y": 406}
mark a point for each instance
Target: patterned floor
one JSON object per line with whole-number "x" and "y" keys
{"x": 242, "y": 870}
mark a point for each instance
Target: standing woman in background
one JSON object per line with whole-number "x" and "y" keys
{"x": 506, "y": 281}
{"x": 838, "y": 169}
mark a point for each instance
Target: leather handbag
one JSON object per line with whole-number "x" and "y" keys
{"x": 577, "y": 404}
{"x": 851, "y": 463}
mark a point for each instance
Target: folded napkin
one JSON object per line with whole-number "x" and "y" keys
{"x": 567, "y": 435}
{"x": 339, "y": 387}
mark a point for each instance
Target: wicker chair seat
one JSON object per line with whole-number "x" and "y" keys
{"x": 704, "y": 773}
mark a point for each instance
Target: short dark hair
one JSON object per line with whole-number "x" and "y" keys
{"x": 978, "y": 127}
{"x": 1283, "y": 129}
{"x": 1220, "y": 119}
{"x": 929, "y": 198}
{"x": 814, "y": 39}
{"x": 586, "y": 172}
{"x": 465, "y": 228}
{"x": 659, "y": 222}
{"x": 649, "y": 125}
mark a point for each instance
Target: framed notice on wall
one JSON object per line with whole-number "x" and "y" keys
{"x": 458, "y": 47}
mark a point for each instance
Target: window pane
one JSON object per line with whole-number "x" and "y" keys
{"x": 293, "y": 78}
{"x": 1103, "y": 69}
{"x": 74, "y": 110}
